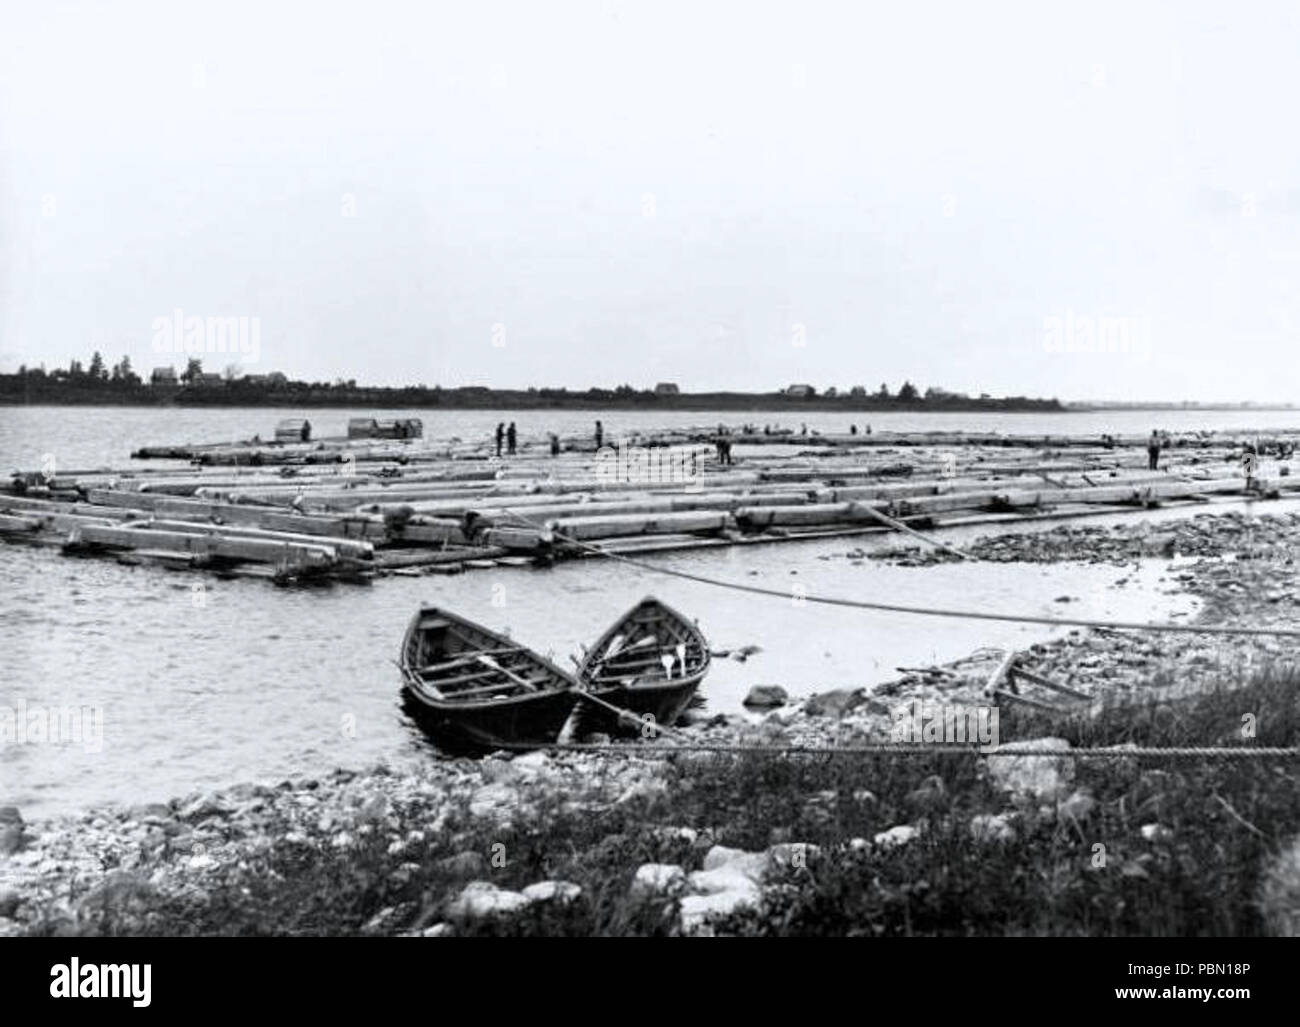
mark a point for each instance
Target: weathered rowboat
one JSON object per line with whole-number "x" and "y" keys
{"x": 649, "y": 662}
{"x": 471, "y": 688}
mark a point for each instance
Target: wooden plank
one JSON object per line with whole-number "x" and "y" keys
{"x": 999, "y": 672}
{"x": 1038, "y": 679}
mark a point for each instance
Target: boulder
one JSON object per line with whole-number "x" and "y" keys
{"x": 752, "y": 865}
{"x": 481, "y": 899}
{"x": 652, "y": 880}
{"x": 1040, "y": 778}
{"x": 896, "y": 836}
{"x": 767, "y": 697}
{"x": 723, "y": 879}
{"x": 552, "y": 891}
{"x": 835, "y": 703}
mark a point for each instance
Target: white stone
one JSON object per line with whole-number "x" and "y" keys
{"x": 723, "y": 879}
{"x": 652, "y": 879}
{"x": 1038, "y": 777}
{"x": 896, "y": 836}
{"x": 552, "y": 891}
{"x": 751, "y": 864}
{"x": 480, "y": 899}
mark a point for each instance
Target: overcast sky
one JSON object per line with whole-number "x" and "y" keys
{"x": 722, "y": 195}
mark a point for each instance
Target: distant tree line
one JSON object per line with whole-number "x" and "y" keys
{"x": 98, "y": 383}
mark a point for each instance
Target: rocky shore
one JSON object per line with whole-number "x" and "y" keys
{"x": 647, "y": 842}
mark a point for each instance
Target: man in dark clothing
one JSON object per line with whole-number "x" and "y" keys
{"x": 511, "y": 437}
{"x": 600, "y": 435}
{"x": 555, "y": 444}
{"x": 501, "y": 434}
{"x": 1153, "y": 452}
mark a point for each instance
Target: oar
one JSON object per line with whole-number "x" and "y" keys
{"x": 488, "y": 661}
{"x": 639, "y": 644}
{"x": 668, "y": 659}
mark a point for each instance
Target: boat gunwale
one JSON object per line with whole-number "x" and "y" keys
{"x": 590, "y": 683}
{"x": 419, "y": 689}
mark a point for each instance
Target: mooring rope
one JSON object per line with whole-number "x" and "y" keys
{"x": 934, "y": 749}
{"x": 924, "y": 611}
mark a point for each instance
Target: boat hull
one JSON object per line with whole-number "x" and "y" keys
{"x": 662, "y": 703}
{"x": 624, "y": 669}
{"x": 473, "y": 690}
{"x": 533, "y": 721}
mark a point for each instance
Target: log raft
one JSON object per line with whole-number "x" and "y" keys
{"x": 340, "y": 507}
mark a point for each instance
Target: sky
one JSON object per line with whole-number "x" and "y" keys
{"x": 1084, "y": 201}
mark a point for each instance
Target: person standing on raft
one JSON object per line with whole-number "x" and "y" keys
{"x": 501, "y": 434}
{"x": 511, "y": 437}
{"x": 1153, "y": 452}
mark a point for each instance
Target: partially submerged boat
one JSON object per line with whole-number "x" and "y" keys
{"x": 473, "y": 689}
{"x": 650, "y": 663}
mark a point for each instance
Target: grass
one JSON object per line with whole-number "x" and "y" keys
{"x": 1225, "y": 821}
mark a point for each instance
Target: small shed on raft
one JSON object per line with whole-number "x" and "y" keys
{"x": 399, "y": 428}
{"x": 293, "y": 429}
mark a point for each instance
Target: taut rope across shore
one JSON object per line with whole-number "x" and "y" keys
{"x": 1226, "y": 752}
{"x": 924, "y": 611}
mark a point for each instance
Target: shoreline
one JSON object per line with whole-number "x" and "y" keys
{"x": 113, "y": 869}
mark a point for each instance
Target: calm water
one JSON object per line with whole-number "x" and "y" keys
{"x": 80, "y": 437}
{"x": 260, "y": 683}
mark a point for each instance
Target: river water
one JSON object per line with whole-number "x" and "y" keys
{"x": 245, "y": 681}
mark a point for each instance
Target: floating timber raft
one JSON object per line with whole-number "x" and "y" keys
{"x": 339, "y": 507}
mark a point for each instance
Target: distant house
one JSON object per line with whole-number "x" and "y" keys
{"x": 667, "y": 389}
{"x": 398, "y": 428}
{"x": 801, "y": 391}
{"x": 163, "y": 376}
{"x": 208, "y": 380}
{"x": 272, "y": 378}
{"x": 831, "y": 393}
{"x": 858, "y": 392}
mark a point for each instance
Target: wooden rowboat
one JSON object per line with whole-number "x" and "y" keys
{"x": 650, "y": 662}
{"x": 472, "y": 689}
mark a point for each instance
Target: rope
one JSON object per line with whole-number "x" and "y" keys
{"x": 924, "y": 611}
{"x": 628, "y": 715}
{"x": 900, "y": 749}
